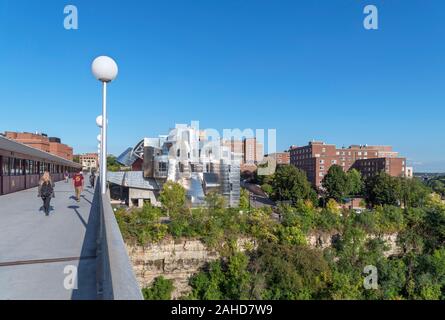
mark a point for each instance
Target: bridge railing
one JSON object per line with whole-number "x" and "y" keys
{"x": 115, "y": 276}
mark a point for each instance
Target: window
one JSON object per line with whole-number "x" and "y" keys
{"x": 321, "y": 161}
{"x": 162, "y": 166}
{"x": 321, "y": 174}
{"x": 5, "y": 166}
{"x": 333, "y": 161}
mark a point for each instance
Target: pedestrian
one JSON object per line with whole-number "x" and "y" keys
{"x": 46, "y": 191}
{"x": 78, "y": 184}
{"x": 92, "y": 179}
{"x": 67, "y": 176}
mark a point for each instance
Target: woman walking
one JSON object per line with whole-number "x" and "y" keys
{"x": 46, "y": 191}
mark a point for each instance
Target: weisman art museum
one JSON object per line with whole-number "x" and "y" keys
{"x": 185, "y": 156}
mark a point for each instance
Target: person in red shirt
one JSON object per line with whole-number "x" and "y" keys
{"x": 78, "y": 184}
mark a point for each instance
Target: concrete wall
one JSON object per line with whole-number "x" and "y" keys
{"x": 141, "y": 195}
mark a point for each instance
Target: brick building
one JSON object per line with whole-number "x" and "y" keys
{"x": 89, "y": 161}
{"x": 253, "y": 151}
{"x": 317, "y": 157}
{"x": 42, "y": 142}
{"x": 280, "y": 157}
{"x": 249, "y": 150}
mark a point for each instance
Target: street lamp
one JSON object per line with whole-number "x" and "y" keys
{"x": 105, "y": 70}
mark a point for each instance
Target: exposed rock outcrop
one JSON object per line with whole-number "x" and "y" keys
{"x": 177, "y": 260}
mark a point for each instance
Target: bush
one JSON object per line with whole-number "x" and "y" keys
{"x": 161, "y": 289}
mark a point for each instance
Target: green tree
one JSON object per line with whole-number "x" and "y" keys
{"x": 290, "y": 183}
{"x": 172, "y": 197}
{"x": 244, "y": 200}
{"x": 290, "y": 272}
{"x": 355, "y": 183}
{"x": 161, "y": 289}
{"x": 336, "y": 183}
{"x": 413, "y": 192}
{"x": 382, "y": 189}
{"x": 112, "y": 164}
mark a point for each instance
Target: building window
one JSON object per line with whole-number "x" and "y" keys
{"x": 5, "y": 166}
{"x": 162, "y": 166}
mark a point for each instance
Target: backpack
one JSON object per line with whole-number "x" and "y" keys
{"x": 46, "y": 189}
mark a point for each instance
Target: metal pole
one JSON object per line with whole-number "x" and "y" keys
{"x": 103, "y": 144}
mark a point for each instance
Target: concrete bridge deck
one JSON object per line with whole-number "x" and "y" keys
{"x": 35, "y": 249}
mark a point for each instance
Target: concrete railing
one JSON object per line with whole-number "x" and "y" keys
{"x": 115, "y": 276}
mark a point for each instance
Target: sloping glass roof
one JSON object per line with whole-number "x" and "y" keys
{"x": 127, "y": 158}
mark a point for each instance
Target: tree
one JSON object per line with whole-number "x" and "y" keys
{"x": 161, "y": 289}
{"x": 290, "y": 183}
{"x": 413, "y": 192}
{"x": 172, "y": 197}
{"x": 290, "y": 272}
{"x": 112, "y": 164}
{"x": 438, "y": 185}
{"x": 244, "y": 200}
{"x": 382, "y": 189}
{"x": 229, "y": 280}
{"x": 215, "y": 202}
{"x": 335, "y": 182}
{"x": 355, "y": 182}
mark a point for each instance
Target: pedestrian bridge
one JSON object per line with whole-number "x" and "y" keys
{"x": 41, "y": 257}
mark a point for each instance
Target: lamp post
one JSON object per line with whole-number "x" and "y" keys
{"x": 105, "y": 70}
{"x": 99, "y": 138}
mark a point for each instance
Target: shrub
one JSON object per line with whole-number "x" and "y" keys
{"x": 161, "y": 289}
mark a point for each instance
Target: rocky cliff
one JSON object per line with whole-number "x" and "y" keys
{"x": 178, "y": 260}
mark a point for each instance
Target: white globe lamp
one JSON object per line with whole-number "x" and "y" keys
{"x": 105, "y": 70}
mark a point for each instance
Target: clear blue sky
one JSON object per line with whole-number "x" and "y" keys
{"x": 306, "y": 68}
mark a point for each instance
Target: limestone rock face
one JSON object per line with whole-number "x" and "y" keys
{"x": 177, "y": 260}
{"x": 323, "y": 240}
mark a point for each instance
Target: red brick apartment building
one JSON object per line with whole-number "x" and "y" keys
{"x": 280, "y": 157}
{"x": 89, "y": 161}
{"x": 42, "y": 142}
{"x": 317, "y": 157}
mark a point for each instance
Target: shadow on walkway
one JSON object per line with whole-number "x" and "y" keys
{"x": 86, "y": 272}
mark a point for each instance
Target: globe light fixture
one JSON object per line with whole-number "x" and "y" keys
{"x": 105, "y": 70}
{"x": 99, "y": 121}
{"x": 99, "y": 138}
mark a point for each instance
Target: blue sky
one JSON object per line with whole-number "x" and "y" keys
{"x": 307, "y": 68}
